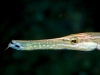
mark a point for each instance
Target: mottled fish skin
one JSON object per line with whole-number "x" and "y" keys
{"x": 87, "y": 41}
{"x": 36, "y": 44}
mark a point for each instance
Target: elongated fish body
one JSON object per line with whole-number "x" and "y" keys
{"x": 35, "y": 45}
{"x": 82, "y": 41}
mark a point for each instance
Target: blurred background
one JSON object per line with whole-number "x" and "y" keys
{"x": 46, "y": 19}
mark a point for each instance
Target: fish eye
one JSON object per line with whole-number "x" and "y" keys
{"x": 74, "y": 40}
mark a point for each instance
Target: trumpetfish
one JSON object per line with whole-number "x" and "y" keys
{"x": 86, "y": 41}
